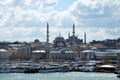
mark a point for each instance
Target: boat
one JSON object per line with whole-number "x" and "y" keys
{"x": 117, "y": 72}
{"x": 5, "y": 68}
{"x": 50, "y": 68}
{"x": 87, "y": 68}
{"x": 64, "y": 68}
{"x": 32, "y": 68}
{"x": 118, "y": 75}
{"x": 19, "y": 68}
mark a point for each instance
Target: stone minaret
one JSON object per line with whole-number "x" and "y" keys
{"x": 47, "y": 40}
{"x": 68, "y": 35}
{"x": 84, "y": 38}
{"x": 47, "y": 33}
{"x": 73, "y": 41}
{"x": 73, "y": 29}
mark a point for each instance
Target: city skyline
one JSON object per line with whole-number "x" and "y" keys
{"x": 26, "y": 20}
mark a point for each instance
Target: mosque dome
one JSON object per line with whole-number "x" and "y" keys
{"x": 36, "y": 41}
{"x": 59, "y": 39}
{"x": 59, "y": 42}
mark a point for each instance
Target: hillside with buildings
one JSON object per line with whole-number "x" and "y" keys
{"x": 61, "y": 49}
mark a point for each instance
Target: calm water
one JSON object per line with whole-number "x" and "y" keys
{"x": 59, "y": 76}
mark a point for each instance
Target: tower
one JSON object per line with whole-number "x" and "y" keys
{"x": 73, "y": 29}
{"x": 68, "y": 35}
{"x": 47, "y": 40}
{"x": 73, "y": 41}
{"x": 84, "y": 38}
{"x": 47, "y": 33}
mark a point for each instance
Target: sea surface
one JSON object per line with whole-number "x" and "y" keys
{"x": 59, "y": 76}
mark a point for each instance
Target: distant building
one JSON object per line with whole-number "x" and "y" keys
{"x": 100, "y": 47}
{"x": 109, "y": 43}
{"x": 108, "y": 55}
{"x": 37, "y": 50}
{"x": 4, "y": 55}
{"x": 25, "y": 50}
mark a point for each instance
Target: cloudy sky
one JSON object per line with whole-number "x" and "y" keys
{"x": 25, "y": 20}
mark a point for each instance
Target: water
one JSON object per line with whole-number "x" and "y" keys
{"x": 59, "y": 76}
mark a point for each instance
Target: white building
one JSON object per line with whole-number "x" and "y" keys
{"x": 38, "y": 54}
{"x": 98, "y": 55}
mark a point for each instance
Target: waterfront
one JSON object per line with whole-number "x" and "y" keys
{"x": 59, "y": 76}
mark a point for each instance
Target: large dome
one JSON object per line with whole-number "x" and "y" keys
{"x": 59, "y": 39}
{"x": 59, "y": 42}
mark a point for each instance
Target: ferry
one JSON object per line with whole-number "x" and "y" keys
{"x": 50, "y": 68}
{"x": 19, "y": 68}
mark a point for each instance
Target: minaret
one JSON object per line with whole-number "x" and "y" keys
{"x": 84, "y": 38}
{"x": 73, "y": 35}
{"x": 68, "y": 35}
{"x": 73, "y": 29}
{"x": 47, "y": 40}
{"x": 47, "y": 33}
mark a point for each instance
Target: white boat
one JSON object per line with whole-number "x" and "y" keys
{"x": 50, "y": 68}
{"x": 19, "y": 67}
{"x": 87, "y": 68}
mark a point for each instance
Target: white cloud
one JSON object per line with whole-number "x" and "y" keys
{"x": 28, "y": 18}
{"x": 97, "y": 13}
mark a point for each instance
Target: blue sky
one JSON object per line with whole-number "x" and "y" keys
{"x": 25, "y": 20}
{"x": 63, "y": 4}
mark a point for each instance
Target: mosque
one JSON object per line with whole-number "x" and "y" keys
{"x": 62, "y": 49}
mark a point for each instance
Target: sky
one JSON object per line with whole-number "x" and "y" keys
{"x": 26, "y": 20}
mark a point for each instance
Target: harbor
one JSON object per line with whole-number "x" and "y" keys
{"x": 48, "y": 67}
{"x": 63, "y": 56}
{"x": 59, "y": 40}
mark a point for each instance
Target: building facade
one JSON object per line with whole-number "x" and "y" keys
{"x": 61, "y": 51}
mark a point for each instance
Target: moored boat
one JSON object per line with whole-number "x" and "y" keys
{"x": 118, "y": 75}
{"x": 5, "y": 68}
{"x": 50, "y": 68}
